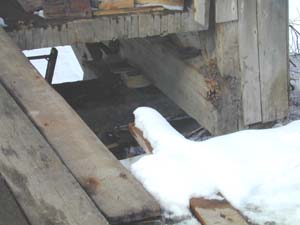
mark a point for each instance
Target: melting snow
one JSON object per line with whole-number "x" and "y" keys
{"x": 258, "y": 171}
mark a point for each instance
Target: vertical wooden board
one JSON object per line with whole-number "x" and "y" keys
{"x": 171, "y": 24}
{"x": 146, "y": 22}
{"x": 163, "y": 25}
{"x": 273, "y": 58}
{"x": 10, "y": 212}
{"x": 97, "y": 26}
{"x": 227, "y": 10}
{"x": 113, "y": 189}
{"x": 201, "y": 12}
{"x": 44, "y": 41}
{"x": 227, "y": 49}
{"x": 177, "y": 21}
{"x": 63, "y": 35}
{"x": 36, "y": 38}
{"x": 156, "y": 24}
{"x": 215, "y": 212}
{"x": 117, "y": 27}
{"x": 28, "y": 38}
{"x": 249, "y": 61}
{"x": 43, "y": 187}
{"x": 133, "y": 29}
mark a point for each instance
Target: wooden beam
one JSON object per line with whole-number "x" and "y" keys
{"x": 201, "y": 96}
{"x": 120, "y": 197}
{"x": 249, "y": 61}
{"x": 211, "y": 212}
{"x": 226, "y": 11}
{"x": 42, "y": 185}
{"x": 272, "y": 17}
{"x": 201, "y": 12}
{"x": 137, "y": 24}
{"x": 127, "y": 11}
{"x": 10, "y": 212}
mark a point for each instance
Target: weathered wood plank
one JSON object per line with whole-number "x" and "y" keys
{"x": 31, "y": 5}
{"x": 139, "y": 137}
{"x": 249, "y": 61}
{"x": 226, "y": 10}
{"x": 10, "y": 212}
{"x": 201, "y": 12}
{"x": 212, "y": 212}
{"x": 67, "y": 9}
{"x": 114, "y": 190}
{"x": 273, "y": 58}
{"x": 180, "y": 82}
{"x": 102, "y": 28}
{"x": 43, "y": 187}
{"x": 176, "y": 4}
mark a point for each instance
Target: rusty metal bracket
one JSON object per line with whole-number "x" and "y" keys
{"x": 51, "y": 58}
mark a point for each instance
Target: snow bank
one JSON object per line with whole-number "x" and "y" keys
{"x": 258, "y": 171}
{"x": 67, "y": 67}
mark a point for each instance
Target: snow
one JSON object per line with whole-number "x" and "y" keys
{"x": 257, "y": 171}
{"x": 67, "y": 67}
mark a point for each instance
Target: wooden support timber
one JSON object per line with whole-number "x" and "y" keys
{"x": 197, "y": 94}
{"x": 240, "y": 77}
{"x": 48, "y": 33}
{"x": 42, "y": 185}
{"x": 119, "y": 196}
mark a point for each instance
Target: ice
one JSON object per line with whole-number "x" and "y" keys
{"x": 257, "y": 171}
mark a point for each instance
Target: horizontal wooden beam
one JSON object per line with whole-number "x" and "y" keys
{"x": 50, "y": 33}
{"x": 120, "y": 197}
{"x": 199, "y": 95}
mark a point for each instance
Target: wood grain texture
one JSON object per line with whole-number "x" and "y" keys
{"x": 139, "y": 137}
{"x": 249, "y": 62}
{"x": 215, "y": 212}
{"x": 114, "y": 190}
{"x": 43, "y": 187}
{"x": 180, "y": 82}
{"x": 226, "y": 10}
{"x": 179, "y": 3}
{"x": 10, "y": 212}
{"x": 58, "y": 33}
{"x": 201, "y": 12}
{"x": 116, "y": 4}
{"x": 273, "y": 58}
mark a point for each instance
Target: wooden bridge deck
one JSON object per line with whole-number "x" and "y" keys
{"x": 54, "y": 167}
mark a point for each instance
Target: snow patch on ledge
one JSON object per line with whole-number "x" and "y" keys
{"x": 257, "y": 171}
